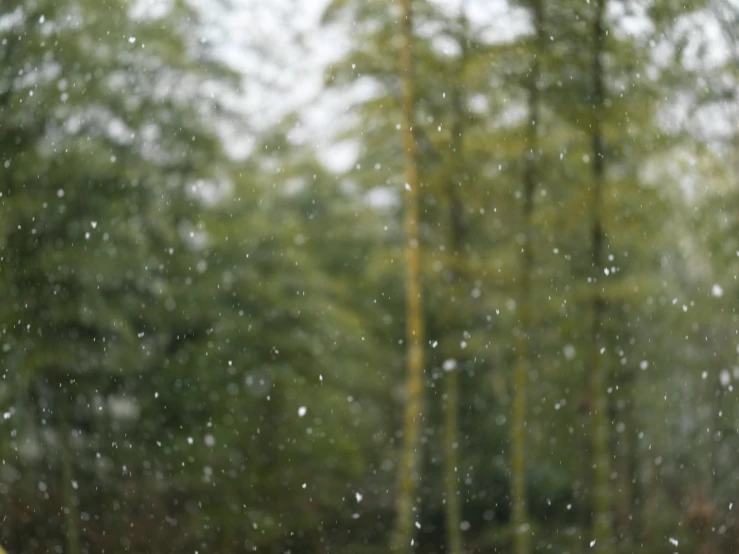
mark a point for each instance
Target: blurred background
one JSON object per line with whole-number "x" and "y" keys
{"x": 203, "y": 277}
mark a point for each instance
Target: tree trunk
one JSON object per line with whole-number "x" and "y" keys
{"x": 602, "y": 516}
{"x": 451, "y": 462}
{"x": 408, "y": 471}
{"x": 634, "y": 473}
{"x": 71, "y": 515}
{"x": 521, "y": 527}
{"x": 456, "y": 238}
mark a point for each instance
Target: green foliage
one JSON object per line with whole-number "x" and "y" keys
{"x": 206, "y": 354}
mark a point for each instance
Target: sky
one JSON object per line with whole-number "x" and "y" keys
{"x": 282, "y": 51}
{"x": 277, "y": 48}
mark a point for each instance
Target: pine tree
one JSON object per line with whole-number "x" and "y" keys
{"x": 521, "y": 527}
{"x": 602, "y": 516}
{"x": 408, "y": 477}
{"x": 456, "y": 228}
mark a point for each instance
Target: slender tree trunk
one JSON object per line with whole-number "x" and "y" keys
{"x": 408, "y": 471}
{"x": 451, "y": 463}
{"x": 634, "y": 475}
{"x": 71, "y": 515}
{"x": 521, "y": 527}
{"x": 717, "y": 439}
{"x": 456, "y": 238}
{"x": 602, "y": 516}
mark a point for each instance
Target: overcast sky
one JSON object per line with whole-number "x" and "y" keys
{"x": 282, "y": 51}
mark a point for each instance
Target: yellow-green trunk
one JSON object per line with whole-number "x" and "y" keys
{"x": 408, "y": 476}
{"x": 521, "y": 526}
{"x": 451, "y": 480}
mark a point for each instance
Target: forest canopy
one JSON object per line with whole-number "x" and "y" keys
{"x": 368, "y": 276}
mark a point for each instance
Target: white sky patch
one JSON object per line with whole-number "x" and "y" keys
{"x": 340, "y": 156}
{"x": 382, "y": 198}
{"x": 283, "y": 52}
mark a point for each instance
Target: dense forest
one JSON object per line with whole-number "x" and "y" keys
{"x": 505, "y": 320}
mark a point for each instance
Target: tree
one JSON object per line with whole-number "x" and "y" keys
{"x": 523, "y": 364}
{"x": 456, "y": 226}
{"x": 408, "y": 470}
{"x": 208, "y": 354}
{"x": 101, "y": 148}
{"x": 603, "y": 531}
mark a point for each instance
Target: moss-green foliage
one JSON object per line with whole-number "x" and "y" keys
{"x": 167, "y": 312}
